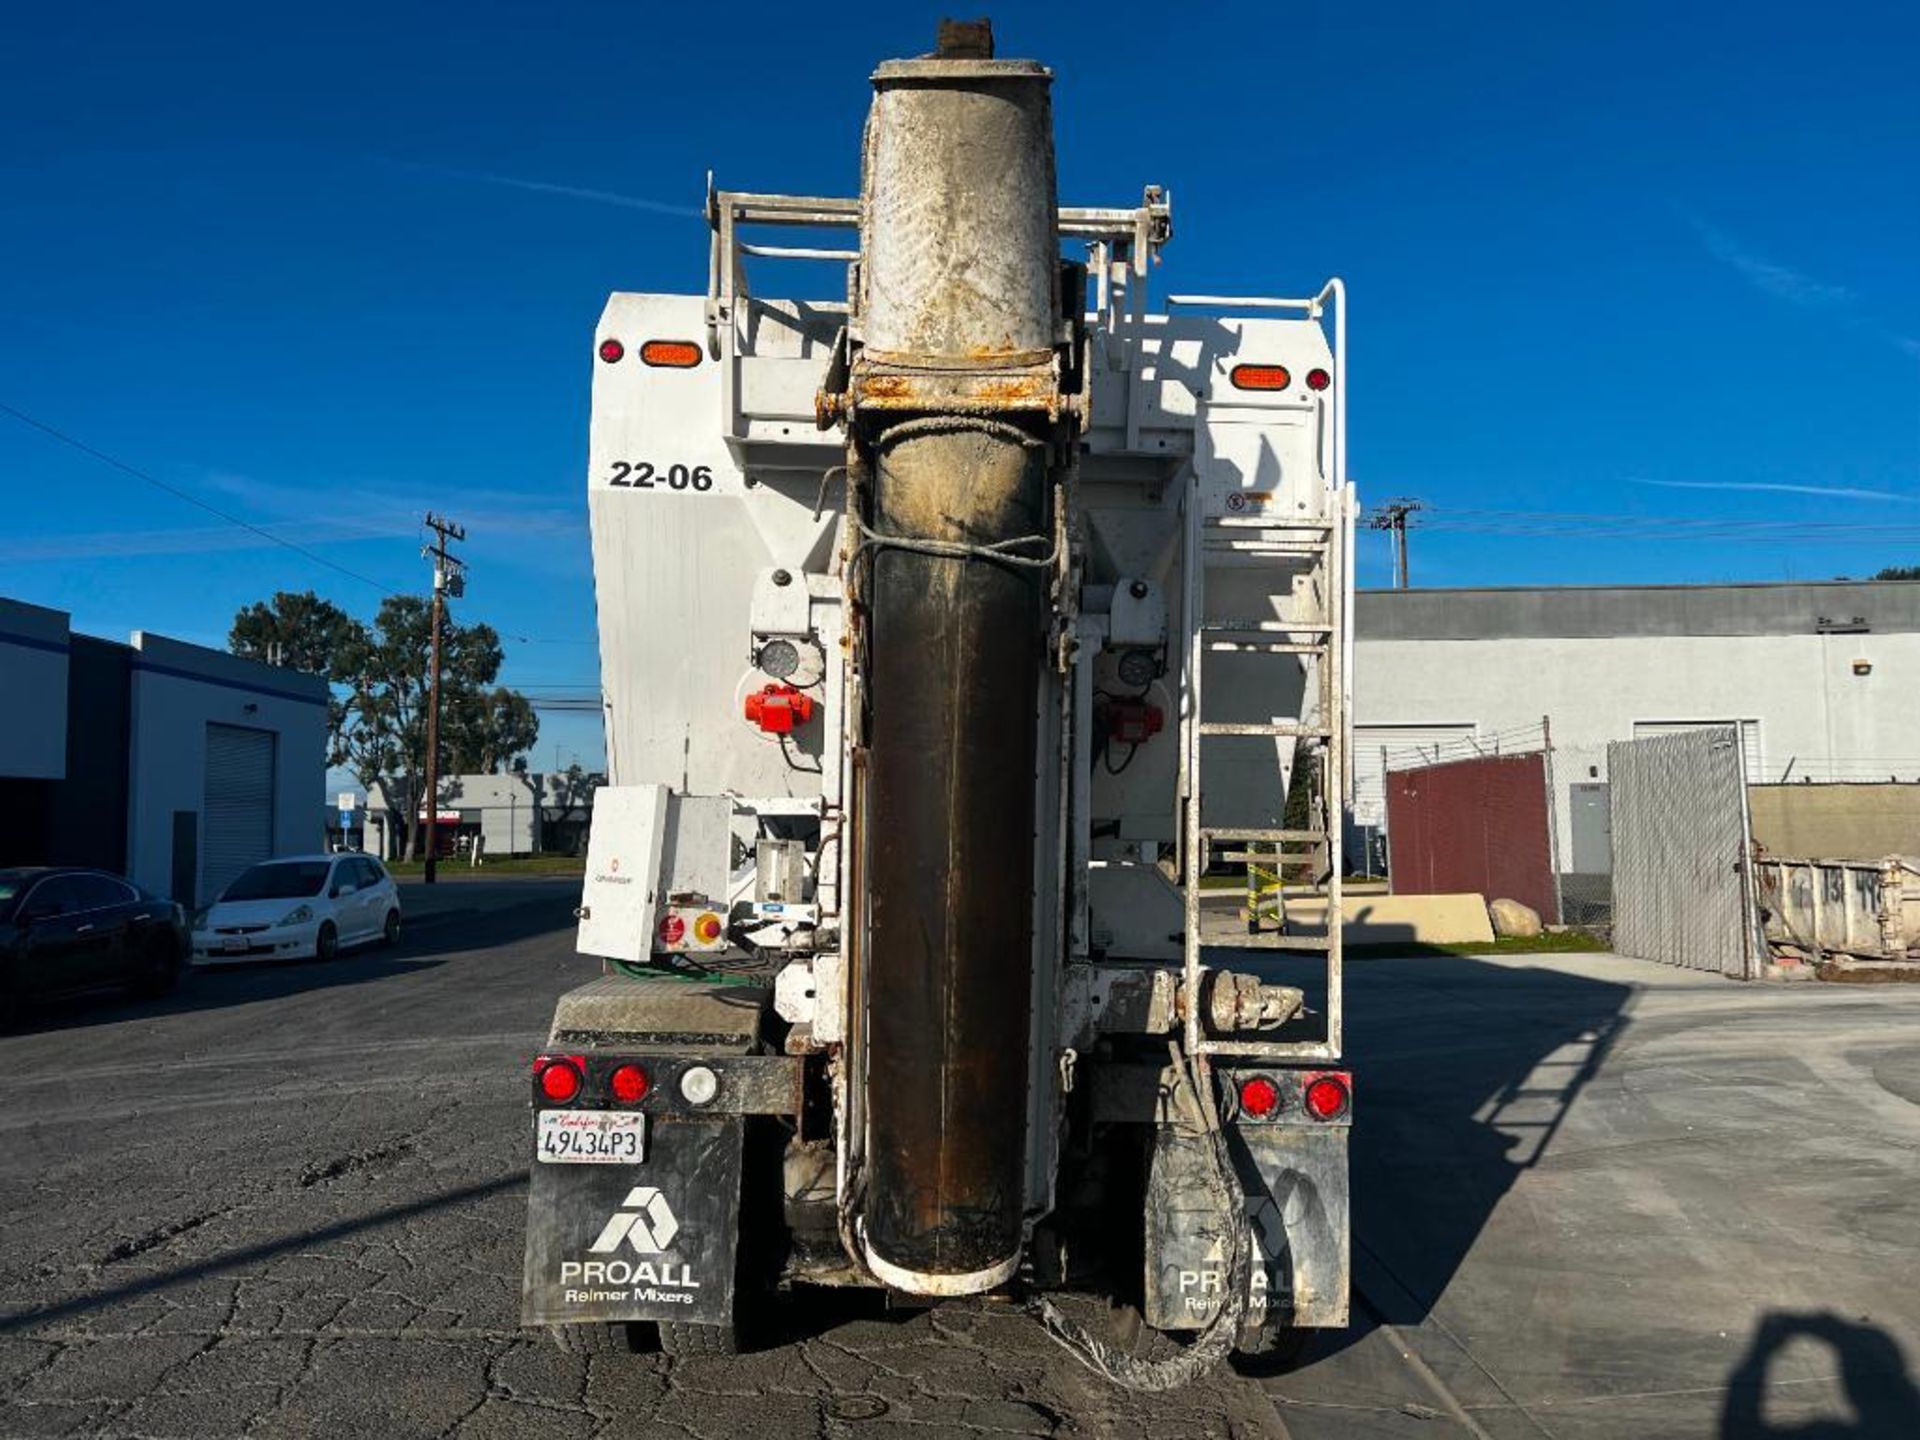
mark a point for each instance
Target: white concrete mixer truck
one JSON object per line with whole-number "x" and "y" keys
{"x": 954, "y": 637}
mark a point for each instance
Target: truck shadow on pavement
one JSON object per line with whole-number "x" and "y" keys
{"x": 1463, "y": 1072}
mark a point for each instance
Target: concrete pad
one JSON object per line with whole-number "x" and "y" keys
{"x": 1601, "y": 1197}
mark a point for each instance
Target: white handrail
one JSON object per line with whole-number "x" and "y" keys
{"x": 1245, "y": 302}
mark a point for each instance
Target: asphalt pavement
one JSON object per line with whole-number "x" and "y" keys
{"x": 1595, "y": 1198}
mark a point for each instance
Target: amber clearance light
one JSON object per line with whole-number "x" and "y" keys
{"x": 1260, "y": 377}
{"x": 672, "y": 354}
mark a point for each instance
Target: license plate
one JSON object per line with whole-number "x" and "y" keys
{"x": 591, "y": 1137}
{"x": 236, "y": 943}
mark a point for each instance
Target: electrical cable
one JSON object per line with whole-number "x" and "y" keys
{"x": 1000, "y": 552}
{"x": 1213, "y": 1342}
{"x": 190, "y": 498}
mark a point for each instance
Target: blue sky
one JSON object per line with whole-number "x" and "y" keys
{"x": 326, "y": 268}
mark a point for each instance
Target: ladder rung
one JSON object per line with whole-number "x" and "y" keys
{"x": 1264, "y": 627}
{"x": 1263, "y": 522}
{"x": 1227, "y": 832}
{"x": 1271, "y": 1049}
{"x": 1311, "y": 943}
{"x": 1280, "y": 730}
{"x": 1264, "y": 647}
{"x": 1271, "y": 550}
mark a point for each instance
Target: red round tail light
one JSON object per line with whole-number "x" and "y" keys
{"x": 559, "y": 1081}
{"x": 1327, "y": 1098}
{"x": 1318, "y": 379}
{"x": 629, "y": 1084}
{"x": 1259, "y": 1097}
{"x": 611, "y": 350}
{"x": 673, "y": 930}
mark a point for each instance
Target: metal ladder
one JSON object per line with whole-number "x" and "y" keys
{"x": 1315, "y": 545}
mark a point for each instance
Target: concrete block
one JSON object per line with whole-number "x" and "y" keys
{"x": 1405, "y": 919}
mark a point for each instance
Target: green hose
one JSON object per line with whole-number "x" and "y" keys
{"x": 685, "y": 977}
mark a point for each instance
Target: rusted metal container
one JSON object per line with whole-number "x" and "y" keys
{"x": 959, "y": 312}
{"x": 1863, "y": 909}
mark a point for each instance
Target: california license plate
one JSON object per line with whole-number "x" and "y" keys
{"x": 235, "y": 943}
{"x": 591, "y": 1137}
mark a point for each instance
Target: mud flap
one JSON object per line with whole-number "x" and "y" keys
{"x": 1295, "y": 1179}
{"x": 653, "y": 1241}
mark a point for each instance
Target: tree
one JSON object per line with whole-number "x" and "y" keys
{"x": 1898, "y": 572}
{"x": 303, "y": 632}
{"x": 378, "y": 716}
{"x": 385, "y": 737}
{"x": 483, "y": 730}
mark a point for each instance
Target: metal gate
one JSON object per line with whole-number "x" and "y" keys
{"x": 1478, "y": 827}
{"x": 1682, "y": 884}
{"x": 236, "y": 806}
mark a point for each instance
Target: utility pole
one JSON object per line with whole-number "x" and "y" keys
{"x": 1391, "y": 516}
{"x": 449, "y": 577}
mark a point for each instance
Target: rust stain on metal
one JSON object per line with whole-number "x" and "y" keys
{"x": 886, "y": 387}
{"x": 1017, "y": 389}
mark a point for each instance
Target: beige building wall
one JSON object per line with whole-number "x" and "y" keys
{"x": 1844, "y": 822}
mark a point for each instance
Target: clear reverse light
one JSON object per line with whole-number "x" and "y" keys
{"x": 698, "y": 1085}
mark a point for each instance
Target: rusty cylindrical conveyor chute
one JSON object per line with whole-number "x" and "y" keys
{"x": 954, "y": 396}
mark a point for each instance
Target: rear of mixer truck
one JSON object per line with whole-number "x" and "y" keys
{"x": 951, "y": 635}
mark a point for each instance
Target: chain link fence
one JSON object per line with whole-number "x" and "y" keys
{"x": 1558, "y": 849}
{"x": 1682, "y": 877}
{"x": 1473, "y": 814}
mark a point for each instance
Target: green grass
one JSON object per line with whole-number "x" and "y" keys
{"x": 504, "y": 865}
{"x": 1563, "y": 942}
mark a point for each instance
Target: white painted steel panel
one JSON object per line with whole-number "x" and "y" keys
{"x": 621, "y": 891}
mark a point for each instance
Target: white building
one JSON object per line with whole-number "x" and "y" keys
{"x": 1822, "y": 679}
{"x": 172, "y": 764}
{"x": 519, "y": 813}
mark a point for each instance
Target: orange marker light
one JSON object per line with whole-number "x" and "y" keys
{"x": 674, "y": 354}
{"x": 1256, "y": 377}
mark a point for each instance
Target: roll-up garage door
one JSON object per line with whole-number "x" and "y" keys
{"x": 237, "y": 813}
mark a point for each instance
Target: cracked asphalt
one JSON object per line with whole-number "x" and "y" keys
{"x": 1593, "y": 1198}
{"x": 288, "y": 1201}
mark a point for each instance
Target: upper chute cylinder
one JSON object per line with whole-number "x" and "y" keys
{"x": 959, "y": 226}
{"x": 958, "y": 305}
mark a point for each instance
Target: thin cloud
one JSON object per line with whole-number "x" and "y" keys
{"x": 1783, "y": 282}
{"x": 397, "y": 511}
{"x": 1835, "y": 492}
{"x": 570, "y": 192}
{"x": 185, "y": 540}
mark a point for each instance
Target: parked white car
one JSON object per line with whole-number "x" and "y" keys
{"x": 315, "y": 905}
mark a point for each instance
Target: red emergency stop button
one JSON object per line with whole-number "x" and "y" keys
{"x": 776, "y": 709}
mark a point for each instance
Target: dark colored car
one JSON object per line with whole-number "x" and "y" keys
{"x": 64, "y": 930}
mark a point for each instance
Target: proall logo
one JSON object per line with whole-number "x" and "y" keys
{"x": 645, "y": 1221}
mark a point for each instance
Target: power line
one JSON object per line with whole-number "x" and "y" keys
{"x": 191, "y": 499}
